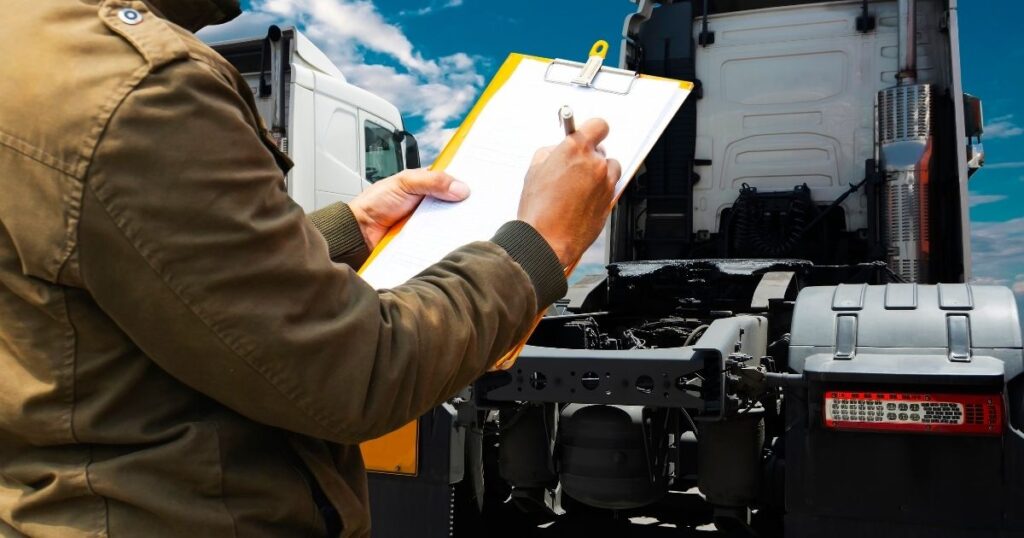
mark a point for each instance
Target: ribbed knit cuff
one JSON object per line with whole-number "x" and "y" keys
{"x": 529, "y": 249}
{"x": 344, "y": 238}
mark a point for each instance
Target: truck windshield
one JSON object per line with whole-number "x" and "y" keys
{"x": 383, "y": 154}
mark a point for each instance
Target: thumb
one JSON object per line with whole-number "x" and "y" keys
{"x": 440, "y": 185}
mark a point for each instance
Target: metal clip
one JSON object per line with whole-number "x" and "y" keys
{"x": 593, "y": 65}
{"x": 565, "y": 72}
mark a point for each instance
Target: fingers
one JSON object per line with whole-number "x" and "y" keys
{"x": 592, "y": 132}
{"x": 424, "y": 182}
{"x": 614, "y": 171}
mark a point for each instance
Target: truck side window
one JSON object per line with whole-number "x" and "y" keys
{"x": 383, "y": 154}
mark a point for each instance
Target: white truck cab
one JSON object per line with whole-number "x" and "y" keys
{"x": 342, "y": 138}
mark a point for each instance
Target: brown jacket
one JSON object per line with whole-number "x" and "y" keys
{"x": 179, "y": 354}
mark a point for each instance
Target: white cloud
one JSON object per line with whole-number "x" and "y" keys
{"x": 998, "y": 256}
{"x": 438, "y": 100}
{"x": 1003, "y": 127}
{"x": 1016, "y": 282}
{"x": 438, "y": 90}
{"x": 433, "y": 137}
{"x": 430, "y": 8}
{"x": 988, "y": 281}
{"x": 998, "y": 251}
{"x": 980, "y": 199}
{"x": 344, "y": 24}
{"x": 248, "y": 24}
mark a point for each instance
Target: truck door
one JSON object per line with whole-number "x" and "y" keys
{"x": 338, "y": 161}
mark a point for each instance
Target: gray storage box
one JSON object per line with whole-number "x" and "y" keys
{"x": 947, "y": 338}
{"x": 897, "y": 329}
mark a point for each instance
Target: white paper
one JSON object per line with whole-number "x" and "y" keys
{"x": 520, "y": 117}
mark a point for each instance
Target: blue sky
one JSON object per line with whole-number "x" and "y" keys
{"x": 432, "y": 58}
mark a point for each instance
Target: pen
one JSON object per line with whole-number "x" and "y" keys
{"x": 566, "y": 118}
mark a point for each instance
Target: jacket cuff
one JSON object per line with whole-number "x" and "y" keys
{"x": 531, "y": 251}
{"x": 345, "y": 240}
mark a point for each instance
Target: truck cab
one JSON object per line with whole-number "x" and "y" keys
{"x": 341, "y": 138}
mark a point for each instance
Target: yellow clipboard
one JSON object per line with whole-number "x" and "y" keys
{"x": 588, "y": 72}
{"x": 397, "y": 452}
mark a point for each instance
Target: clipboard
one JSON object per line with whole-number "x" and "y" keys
{"x": 397, "y": 452}
{"x": 591, "y": 75}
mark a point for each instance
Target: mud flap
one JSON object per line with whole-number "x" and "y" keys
{"x": 421, "y": 505}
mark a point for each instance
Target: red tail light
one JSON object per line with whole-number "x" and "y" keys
{"x": 971, "y": 414}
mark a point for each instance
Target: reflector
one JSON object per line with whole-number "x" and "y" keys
{"x": 971, "y": 414}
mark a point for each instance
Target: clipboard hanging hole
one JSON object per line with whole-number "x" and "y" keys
{"x": 600, "y": 48}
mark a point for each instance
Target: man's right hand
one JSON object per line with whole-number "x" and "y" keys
{"x": 569, "y": 190}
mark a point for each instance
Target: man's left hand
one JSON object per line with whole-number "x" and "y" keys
{"x": 390, "y": 200}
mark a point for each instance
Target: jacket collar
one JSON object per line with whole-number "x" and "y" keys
{"x": 196, "y": 14}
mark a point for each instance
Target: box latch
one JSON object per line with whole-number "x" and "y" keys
{"x": 958, "y": 333}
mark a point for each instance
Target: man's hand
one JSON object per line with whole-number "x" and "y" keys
{"x": 388, "y": 201}
{"x": 568, "y": 192}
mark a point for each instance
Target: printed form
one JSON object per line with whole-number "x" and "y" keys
{"x": 495, "y": 155}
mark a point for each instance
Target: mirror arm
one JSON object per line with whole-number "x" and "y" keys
{"x": 412, "y": 148}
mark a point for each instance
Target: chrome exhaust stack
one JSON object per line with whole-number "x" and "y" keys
{"x": 905, "y": 142}
{"x": 907, "y": 42}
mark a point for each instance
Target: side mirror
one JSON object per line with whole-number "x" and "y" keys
{"x": 974, "y": 122}
{"x": 974, "y": 117}
{"x": 412, "y": 148}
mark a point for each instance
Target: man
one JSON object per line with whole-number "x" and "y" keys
{"x": 179, "y": 355}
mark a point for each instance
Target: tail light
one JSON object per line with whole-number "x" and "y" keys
{"x": 969, "y": 414}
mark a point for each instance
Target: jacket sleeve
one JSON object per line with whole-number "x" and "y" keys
{"x": 188, "y": 241}
{"x": 345, "y": 242}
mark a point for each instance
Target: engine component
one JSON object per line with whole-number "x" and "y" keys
{"x": 587, "y": 333}
{"x": 667, "y": 332}
{"x": 615, "y": 457}
{"x": 729, "y": 458}
{"x": 668, "y": 287}
{"x": 525, "y": 454}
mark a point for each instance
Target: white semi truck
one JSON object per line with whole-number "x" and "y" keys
{"x": 341, "y": 137}
{"x": 785, "y": 324}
